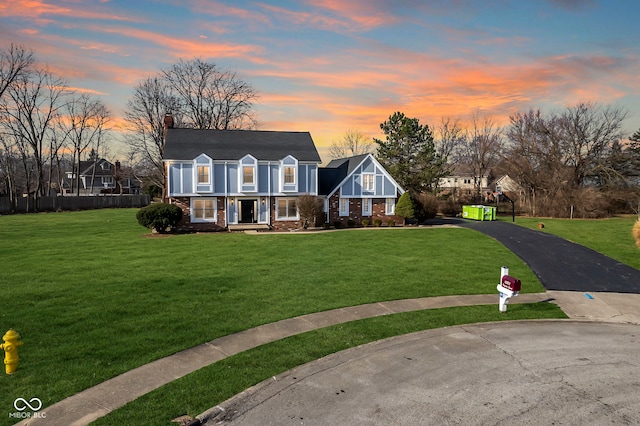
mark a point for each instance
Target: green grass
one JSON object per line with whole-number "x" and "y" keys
{"x": 92, "y": 295}
{"x": 611, "y": 236}
{"x": 210, "y": 386}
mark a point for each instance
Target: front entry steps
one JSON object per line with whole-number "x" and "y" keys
{"x": 240, "y": 227}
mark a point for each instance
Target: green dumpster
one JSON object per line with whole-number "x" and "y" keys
{"x": 479, "y": 212}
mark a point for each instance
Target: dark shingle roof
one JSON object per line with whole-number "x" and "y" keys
{"x": 187, "y": 144}
{"x": 336, "y": 171}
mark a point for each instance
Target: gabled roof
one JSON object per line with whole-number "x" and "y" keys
{"x": 337, "y": 171}
{"x": 187, "y": 144}
{"x": 86, "y": 168}
{"x": 330, "y": 176}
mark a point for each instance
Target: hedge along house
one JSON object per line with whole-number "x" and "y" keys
{"x": 358, "y": 188}
{"x": 239, "y": 178}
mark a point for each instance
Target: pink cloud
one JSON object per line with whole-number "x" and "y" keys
{"x": 43, "y": 13}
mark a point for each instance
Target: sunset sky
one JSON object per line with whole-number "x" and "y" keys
{"x": 327, "y": 66}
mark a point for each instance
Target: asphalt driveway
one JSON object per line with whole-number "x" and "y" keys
{"x": 558, "y": 263}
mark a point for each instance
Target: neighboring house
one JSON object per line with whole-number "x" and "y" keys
{"x": 100, "y": 177}
{"x": 249, "y": 178}
{"x": 507, "y": 185}
{"x": 462, "y": 182}
{"x": 358, "y": 188}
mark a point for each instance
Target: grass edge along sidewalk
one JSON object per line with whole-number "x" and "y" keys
{"x": 259, "y": 358}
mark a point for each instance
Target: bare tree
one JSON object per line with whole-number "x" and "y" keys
{"x": 146, "y": 110}
{"x": 83, "y": 125}
{"x": 481, "y": 148}
{"x": 555, "y": 157}
{"x": 352, "y": 143}
{"x": 589, "y": 132}
{"x": 33, "y": 103}
{"x": 450, "y": 137}
{"x": 211, "y": 98}
{"x": 15, "y": 61}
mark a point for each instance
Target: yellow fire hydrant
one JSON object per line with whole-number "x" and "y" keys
{"x": 10, "y": 347}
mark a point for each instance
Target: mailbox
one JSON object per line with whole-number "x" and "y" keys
{"x": 511, "y": 283}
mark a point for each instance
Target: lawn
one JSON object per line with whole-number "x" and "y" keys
{"x": 93, "y": 294}
{"x": 611, "y": 236}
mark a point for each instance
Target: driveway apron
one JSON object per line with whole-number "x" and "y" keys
{"x": 558, "y": 263}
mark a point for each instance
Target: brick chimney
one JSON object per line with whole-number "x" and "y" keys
{"x": 168, "y": 121}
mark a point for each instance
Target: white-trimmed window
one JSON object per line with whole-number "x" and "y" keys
{"x": 344, "y": 207}
{"x": 248, "y": 175}
{"x": 286, "y": 209}
{"x": 366, "y": 207}
{"x": 203, "y": 210}
{"x": 203, "y": 175}
{"x": 289, "y": 175}
{"x": 368, "y": 182}
{"x": 390, "y": 206}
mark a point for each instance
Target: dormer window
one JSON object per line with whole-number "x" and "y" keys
{"x": 203, "y": 176}
{"x": 289, "y": 174}
{"x": 248, "y": 174}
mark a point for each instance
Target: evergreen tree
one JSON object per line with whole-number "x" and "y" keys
{"x": 409, "y": 153}
{"x": 405, "y": 207}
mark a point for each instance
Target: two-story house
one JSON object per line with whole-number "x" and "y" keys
{"x": 222, "y": 178}
{"x": 100, "y": 176}
{"x": 240, "y": 178}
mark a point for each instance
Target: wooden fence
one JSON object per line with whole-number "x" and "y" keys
{"x": 67, "y": 203}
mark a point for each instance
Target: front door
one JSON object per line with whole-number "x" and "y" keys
{"x": 248, "y": 211}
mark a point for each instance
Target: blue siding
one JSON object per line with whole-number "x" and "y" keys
{"x": 275, "y": 179}
{"x": 389, "y": 188}
{"x": 262, "y": 210}
{"x": 347, "y": 187}
{"x": 357, "y": 185}
{"x": 218, "y": 178}
{"x": 312, "y": 185}
{"x": 175, "y": 179}
{"x": 232, "y": 178}
{"x": 187, "y": 178}
{"x": 263, "y": 178}
{"x": 303, "y": 171}
{"x": 379, "y": 185}
{"x": 368, "y": 166}
{"x": 231, "y": 213}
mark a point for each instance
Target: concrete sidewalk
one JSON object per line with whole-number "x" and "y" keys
{"x": 95, "y": 402}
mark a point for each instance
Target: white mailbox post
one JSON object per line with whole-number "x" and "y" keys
{"x": 508, "y": 288}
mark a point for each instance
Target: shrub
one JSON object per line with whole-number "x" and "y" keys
{"x": 405, "y": 206}
{"x": 426, "y": 206}
{"x": 310, "y": 208}
{"x": 391, "y": 223}
{"x": 351, "y": 223}
{"x": 377, "y": 222}
{"x": 337, "y": 224}
{"x": 450, "y": 207}
{"x": 159, "y": 216}
{"x": 326, "y": 225}
{"x": 365, "y": 222}
{"x": 636, "y": 232}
